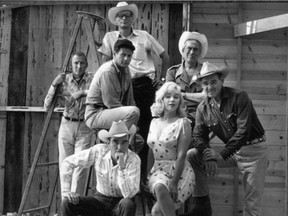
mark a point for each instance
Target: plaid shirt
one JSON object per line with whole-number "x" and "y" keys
{"x": 110, "y": 180}
{"x": 72, "y": 108}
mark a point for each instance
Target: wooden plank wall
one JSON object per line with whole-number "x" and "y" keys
{"x": 263, "y": 75}
{"x": 5, "y": 39}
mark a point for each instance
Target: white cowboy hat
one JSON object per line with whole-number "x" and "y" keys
{"x": 118, "y": 129}
{"x": 210, "y": 69}
{"x": 186, "y": 35}
{"x": 122, "y": 6}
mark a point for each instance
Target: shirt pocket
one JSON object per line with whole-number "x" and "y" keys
{"x": 140, "y": 52}
{"x": 211, "y": 122}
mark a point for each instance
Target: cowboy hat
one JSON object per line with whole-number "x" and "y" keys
{"x": 201, "y": 38}
{"x": 210, "y": 69}
{"x": 118, "y": 129}
{"x": 122, "y": 6}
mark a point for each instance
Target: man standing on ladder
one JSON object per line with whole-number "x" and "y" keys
{"x": 74, "y": 135}
{"x": 145, "y": 79}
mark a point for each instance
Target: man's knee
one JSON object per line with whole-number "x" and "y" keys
{"x": 192, "y": 156}
{"x": 127, "y": 203}
{"x": 156, "y": 210}
{"x": 135, "y": 111}
{"x": 65, "y": 206}
{"x": 127, "y": 207}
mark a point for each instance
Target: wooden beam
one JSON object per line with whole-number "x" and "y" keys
{"x": 261, "y": 25}
{"x": 286, "y": 181}
{"x": 61, "y": 2}
{"x": 27, "y": 109}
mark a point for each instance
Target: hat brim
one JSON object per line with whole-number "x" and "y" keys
{"x": 222, "y": 70}
{"x": 114, "y": 10}
{"x": 193, "y": 36}
{"x": 104, "y": 135}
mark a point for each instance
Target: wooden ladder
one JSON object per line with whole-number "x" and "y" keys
{"x": 87, "y": 18}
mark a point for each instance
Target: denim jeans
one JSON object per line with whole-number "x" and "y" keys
{"x": 72, "y": 138}
{"x": 252, "y": 162}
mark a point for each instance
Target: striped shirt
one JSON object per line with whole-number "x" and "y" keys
{"x": 110, "y": 180}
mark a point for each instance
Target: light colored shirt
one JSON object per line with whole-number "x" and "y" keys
{"x": 110, "y": 87}
{"x": 110, "y": 180}
{"x": 145, "y": 44}
{"x": 72, "y": 108}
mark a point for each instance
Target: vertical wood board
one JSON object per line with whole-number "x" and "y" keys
{"x": 5, "y": 37}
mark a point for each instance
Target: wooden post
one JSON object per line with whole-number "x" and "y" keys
{"x": 175, "y": 31}
{"x": 187, "y": 16}
{"x": 238, "y": 85}
{"x": 286, "y": 173}
{"x": 5, "y": 32}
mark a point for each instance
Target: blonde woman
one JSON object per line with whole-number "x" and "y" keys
{"x": 171, "y": 179}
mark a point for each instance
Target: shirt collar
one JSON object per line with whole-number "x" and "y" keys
{"x": 182, "y": 68}
{"x": 115, "y": 65}
{"x": 121, "y": 36}
{"x": 117, "y": 68}
{"x": 182, "y": 73}
{"x": 84, "y": 77}
{"x": 224, "y": 95}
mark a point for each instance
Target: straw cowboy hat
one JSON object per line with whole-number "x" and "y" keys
{"x": 210, "y": 69}
{"x": 122, "y": 6}
{"x": 186, "y": 35}
{"x": 118, "y": 129}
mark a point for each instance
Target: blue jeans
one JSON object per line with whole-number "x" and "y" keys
{"x": 99, "y": 205}
{"x": 102, "y": 119}
{"x": 72, "y": 138}
{"x": 252, "y": 162}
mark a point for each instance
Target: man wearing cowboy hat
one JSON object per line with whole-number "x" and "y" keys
{"x": 193, "y": 47}
{"x": 230, "y": 115}
{"x": 117, "y": 172}
{"x": 142, "y": 68}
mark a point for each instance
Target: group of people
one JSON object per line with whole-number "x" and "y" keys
{"x": 154, "y": 131}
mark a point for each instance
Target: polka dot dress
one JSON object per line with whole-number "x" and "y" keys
{"x": 165, "y": 155}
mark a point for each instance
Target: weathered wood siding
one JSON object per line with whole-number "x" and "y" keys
{"x": 262, "y": 60}
{"x": 5, "y": 40}
{"x": 47, "y": 32}
{"x": 258, "y": 64}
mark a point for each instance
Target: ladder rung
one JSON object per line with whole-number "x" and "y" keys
{"x": 94, "y": 16}
{"x": 36, "y": 209}
{"x": 47, "y": 164}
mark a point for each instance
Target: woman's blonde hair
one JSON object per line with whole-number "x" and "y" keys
{"x": 157, "y": 108}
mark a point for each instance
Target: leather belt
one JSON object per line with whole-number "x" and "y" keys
{"x": 257, "y": 140}
{"x": 73, "y": 119}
